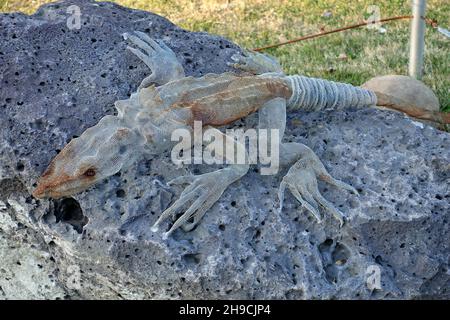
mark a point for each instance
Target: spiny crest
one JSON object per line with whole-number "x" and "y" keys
{"x": 193, "y": 88}
{"x": 149, "y": 98}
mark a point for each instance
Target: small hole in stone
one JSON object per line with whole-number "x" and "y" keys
{"x": 120, "y": 193}
{"x": 69, "y": 211}
{"x": 191, "y": 258}
{"x": 20, "y": 167}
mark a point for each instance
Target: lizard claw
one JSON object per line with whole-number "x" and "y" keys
{"x": 203, "y": 191}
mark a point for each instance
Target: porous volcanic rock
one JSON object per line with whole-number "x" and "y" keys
{"x": 57, "y": 81}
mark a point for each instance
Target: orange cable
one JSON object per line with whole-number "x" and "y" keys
{"x": 427, "y": 20}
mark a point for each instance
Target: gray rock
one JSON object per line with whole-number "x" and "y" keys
{"x": 57, "y": 82}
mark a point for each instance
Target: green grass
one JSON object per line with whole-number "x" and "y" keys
{"x": 257, "y": 23}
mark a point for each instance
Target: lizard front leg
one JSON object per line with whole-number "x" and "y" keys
{"x": 161, "y": 60}
{"x": 203, "y": 190}
{"x": 301, "y": 178}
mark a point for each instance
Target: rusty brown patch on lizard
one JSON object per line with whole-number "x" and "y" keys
{"x": 243, "y": 96}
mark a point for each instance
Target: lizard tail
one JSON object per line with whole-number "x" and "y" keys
{"x": 315, "y": 94}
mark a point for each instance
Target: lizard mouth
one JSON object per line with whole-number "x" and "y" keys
{"x": 43, "y": 191}
{"x": 40, "y": 192}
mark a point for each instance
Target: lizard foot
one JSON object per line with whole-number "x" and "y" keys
{"x": 157, "y": 56}
{"x": 204, "y": 190}
{"x": 255, "y": 62}
{"x": 301, "y": 180}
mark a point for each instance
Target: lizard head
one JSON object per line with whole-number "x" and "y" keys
{"x": 98, "y": 153}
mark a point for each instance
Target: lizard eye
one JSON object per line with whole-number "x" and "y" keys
{"x": 89, "y": 172}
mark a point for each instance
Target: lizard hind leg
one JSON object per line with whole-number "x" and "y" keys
{"x": 301, "y": 180}
{"x": 255, "y": 63}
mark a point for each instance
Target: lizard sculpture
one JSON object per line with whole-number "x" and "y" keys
{"x": 168, "y": 100}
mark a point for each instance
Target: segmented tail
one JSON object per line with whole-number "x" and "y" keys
{"x": 315, "y": 94}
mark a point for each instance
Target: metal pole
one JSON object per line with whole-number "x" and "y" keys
{"x": 417, "y": 39}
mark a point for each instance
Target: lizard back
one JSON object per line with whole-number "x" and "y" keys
{"x": 218, "y": 99}
{"x": 214, "y": 99}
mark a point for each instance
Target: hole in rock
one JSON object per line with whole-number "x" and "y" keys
{"x": 192, "y": 258}
{"x": 68, "y": 210}
{"x": 340, "y": 254}
{"x": 120, "y": 193}
{"x": 20, "y": 166}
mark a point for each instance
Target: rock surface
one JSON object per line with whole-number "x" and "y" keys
{"x": 56, "y": 82}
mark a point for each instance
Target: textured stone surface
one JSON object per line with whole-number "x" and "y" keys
{"x": 56, "y": 82}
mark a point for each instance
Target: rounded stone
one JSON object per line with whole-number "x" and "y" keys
{"x": 412, "y": 91}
